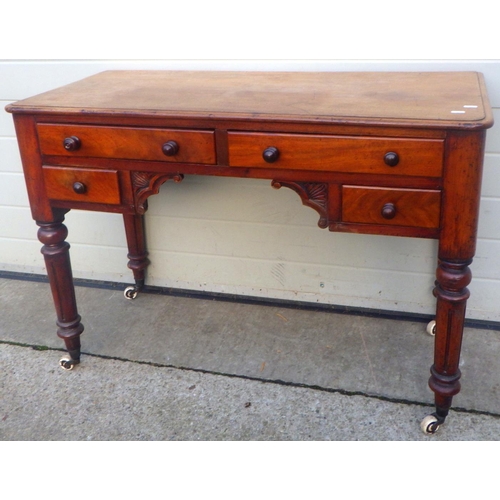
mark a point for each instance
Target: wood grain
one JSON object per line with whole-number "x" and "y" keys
{"x": 196, "y": 146}
{"x": 417, "y": 157}
{"x": 405, "y": 98}
{"x": 101, "y": 186}
{"x": 418, "y": 208}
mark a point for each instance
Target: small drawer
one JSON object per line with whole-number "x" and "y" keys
{"x": 82, "y": 184}
{"x": 398, "y": 207}
{"x": 369, "y": 155}
{"x": 172, "y": 145}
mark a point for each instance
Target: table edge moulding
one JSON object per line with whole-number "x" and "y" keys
{"x": 389, "y": 153}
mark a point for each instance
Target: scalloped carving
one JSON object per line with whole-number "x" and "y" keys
{"x": 147, "y": 183}
{"x": 313, "y": 194}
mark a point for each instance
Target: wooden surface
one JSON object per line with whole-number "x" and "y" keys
{"x": 412, "y": 207}
{"x": 417, "y": 157}
{"x": 195, "y": 146}
{"x": 442, "y": 98}
{"x": 99, "y": 186}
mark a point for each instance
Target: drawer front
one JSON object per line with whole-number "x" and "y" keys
{"x": 82, "y": 184}
{"x": 192, "y": 146}
{"x": 414, "y": 157}
{"x": 399, "y": 207}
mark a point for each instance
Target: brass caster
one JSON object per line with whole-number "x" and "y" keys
{"x": 431, "y": 328}
{"x": 430, "y": 424}
{"x": 67, "y": 363}
{"x": 130, "y": 293}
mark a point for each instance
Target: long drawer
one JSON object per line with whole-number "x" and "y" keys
{"x": 371, "y": 155}
{"x": 172, "y": 145}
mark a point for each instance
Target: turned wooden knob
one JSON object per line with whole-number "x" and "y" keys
{"x": 72, "y": 143}
{"x": 79, "y": 188}
{"x": 391, "y": 159}
{"x": 271, "y": 154}
{"x": 170, "y": 148}
{"x": 389, "y": 211}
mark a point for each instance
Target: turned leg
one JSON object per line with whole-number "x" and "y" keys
{"x": 55, "y": 251}
{"x": 452, "y": 294}
{"x": 457, "y": 245}
{"x": 138, "y": 256}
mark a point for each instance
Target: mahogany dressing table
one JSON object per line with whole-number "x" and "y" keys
{"x": 381, "y": 153}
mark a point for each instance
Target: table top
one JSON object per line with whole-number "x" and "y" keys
{"x": 439, "y": 99}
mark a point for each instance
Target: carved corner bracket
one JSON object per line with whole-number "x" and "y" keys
{"x": 147, "y": 183}
{"x": 313, "y": 194}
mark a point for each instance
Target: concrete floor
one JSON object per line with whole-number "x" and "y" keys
{"x": 176, "y": 368}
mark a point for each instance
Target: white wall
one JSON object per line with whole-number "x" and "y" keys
{"x": 240, "y": 235}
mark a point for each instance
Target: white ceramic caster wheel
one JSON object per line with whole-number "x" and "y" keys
{"x": 66, "y": 363}
{"x": 431, "y": 328}
{"x": 130, "y": 292}
{"x": 430, "y": 424}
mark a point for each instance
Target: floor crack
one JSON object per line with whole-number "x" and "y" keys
{"x": 299, "y": 385}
